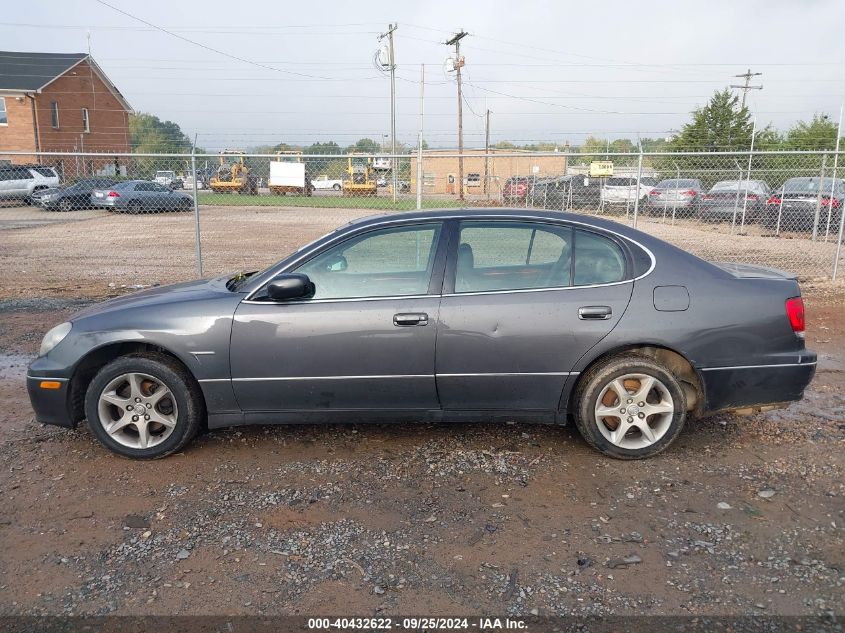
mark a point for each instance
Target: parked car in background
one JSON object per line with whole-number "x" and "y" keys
{"x": 141, "y": 196}
{"x": 324, "y": 182}
{"x": 585, "y": 192}
{"x": 727, "y": 198}
{"x": 20, "y": 182}
{"x": 622, "y": 190}
{"x": 168, "y": 179}
{"x": 678, "y": 196}
{"x": 538, "y": 197}
{"x": 390, "y": 318}
{"x": 793, "y": 206}
{"x": 516, "y": 189}
{"x": 70, "y": 197}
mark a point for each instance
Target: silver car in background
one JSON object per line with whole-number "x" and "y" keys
{"x": 20, "y": 182}
{"x": 677, "y": 196}
{"x": 625, "y": 190}
{"x": 141, "y": 196}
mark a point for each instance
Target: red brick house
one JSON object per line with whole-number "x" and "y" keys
{"x": 57, "y": 102}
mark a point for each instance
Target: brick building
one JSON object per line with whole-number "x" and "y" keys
{"x": 440, "y": 169}
{"x": 55, "y": 102}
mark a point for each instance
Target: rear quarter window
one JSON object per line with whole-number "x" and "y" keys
{"x": 598, "y": 260}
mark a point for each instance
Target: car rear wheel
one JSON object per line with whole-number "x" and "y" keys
{"x": 336, "y": 187}
{"x": 143, "y": 406}
{"x": 630, "y": 407}
{"x": 65, "y": 204}
{"x": 134, "y": 207}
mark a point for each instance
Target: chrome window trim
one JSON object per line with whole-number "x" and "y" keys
{"x": 400, "y": 221}
{"x": 758, "y": 366}
{"x": 345, "y": 300}
{"x": 554, "y": 288}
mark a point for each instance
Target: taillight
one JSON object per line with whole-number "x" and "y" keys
{"x": 112, "y": 194}
{"x": 833, "y": 203}
{"x": 707, "y": 197}
{"x": 795, "y": 312}
{"x": 774, "y": 200}
{"x": 688, "y": 192}
{"x": 654, "y": 192}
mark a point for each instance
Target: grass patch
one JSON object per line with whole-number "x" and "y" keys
{"x": 323, "y": 202}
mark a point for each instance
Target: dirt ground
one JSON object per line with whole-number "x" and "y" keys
{"x": 740, "y": 516}
{"x": 399, "y": 519}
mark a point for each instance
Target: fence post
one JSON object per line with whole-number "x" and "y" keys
{"x": 639, "y": 177}
{"x": 838, "y": 244}
{"x": 198, "y": 244}
{"x": 833, "y": 180}
{"x": 419, "y": 172}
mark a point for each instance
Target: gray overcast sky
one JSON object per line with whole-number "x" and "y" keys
{"x": 548, "y": 71}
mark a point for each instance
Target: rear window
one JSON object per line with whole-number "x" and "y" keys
{"x": 45, "y": 171}
{"x": 678, "y": 184}
{"x": 810, "y": 185}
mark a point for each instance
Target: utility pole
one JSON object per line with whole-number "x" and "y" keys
{"x": 420, "y": 139}
{"x": 747, "y": 85}
{"x": 392, "y": 60}
{"x": 459, "y": 62}
{"x": 487, "y": 154}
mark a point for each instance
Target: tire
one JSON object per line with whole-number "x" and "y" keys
{"x": 666, "y": 396}
{"x": 134, "y": 207}
{"x": 185, "y": 205}
{"x": 183, "y": 400}
{"x": 65, "y": 205}
{"x": 336, "y": 187}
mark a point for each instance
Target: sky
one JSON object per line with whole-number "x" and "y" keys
{"x": 265, "y": 71}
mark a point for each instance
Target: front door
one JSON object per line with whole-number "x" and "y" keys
{"x": 523, "y": 301}
{"x": 364, "y": 341}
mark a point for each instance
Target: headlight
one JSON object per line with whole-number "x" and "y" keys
{"x": 54, "y": 337}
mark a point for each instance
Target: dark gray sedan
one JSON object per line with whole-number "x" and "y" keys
{"x": 141, "y": 196}
{"x": 447, "y": 315}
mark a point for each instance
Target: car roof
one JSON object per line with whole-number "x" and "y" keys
{"x": 502, "y": 214}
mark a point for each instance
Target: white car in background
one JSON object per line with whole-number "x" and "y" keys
{"x": 168, "y": 178}
{"x": 623, "y": 190}
{"x": 324, "y": 182}
{"x": 20, "y": 182}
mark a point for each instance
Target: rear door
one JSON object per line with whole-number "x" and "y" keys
{"x": 522, "y": 302}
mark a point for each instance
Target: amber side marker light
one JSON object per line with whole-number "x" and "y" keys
{"x": 50, "y": 384}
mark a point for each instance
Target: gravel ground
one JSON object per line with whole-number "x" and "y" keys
{"x": 740, "y": 516}
{"x": 95, "y": 253}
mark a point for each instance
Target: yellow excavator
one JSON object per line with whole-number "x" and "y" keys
{"x": 360, "y": 176}
{"x": 233, "y": 175}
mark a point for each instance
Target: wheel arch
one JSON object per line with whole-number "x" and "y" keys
{"x": 97, "y": 358}
{"x": 690, "y": 379}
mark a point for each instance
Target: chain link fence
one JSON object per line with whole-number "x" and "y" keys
{"x": 80, "y": 220}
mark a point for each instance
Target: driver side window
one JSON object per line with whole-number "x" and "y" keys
{"x": 382, "y": 263}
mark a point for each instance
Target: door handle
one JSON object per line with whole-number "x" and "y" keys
{"x": 404, "y": 319}
{"x": 595, "y": 313}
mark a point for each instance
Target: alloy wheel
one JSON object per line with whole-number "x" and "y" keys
{"x": 634, "y": 411}
{"x": 137, "y": 410}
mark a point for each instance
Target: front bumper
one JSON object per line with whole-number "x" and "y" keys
{"x": 51, "y": 406}
{"x": 741, "y": 387}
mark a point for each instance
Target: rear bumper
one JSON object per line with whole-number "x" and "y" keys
{"x": 50, "y": 405}
{"x": 740, "y": 387}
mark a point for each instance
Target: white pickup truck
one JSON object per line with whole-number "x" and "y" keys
{"x": 323, "y": 182}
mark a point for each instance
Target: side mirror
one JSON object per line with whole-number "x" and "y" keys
{"x": 290, "y": 286}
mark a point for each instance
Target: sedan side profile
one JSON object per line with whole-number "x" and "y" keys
{"x": 141, "y": 196}
{"x": 442, "y": 315}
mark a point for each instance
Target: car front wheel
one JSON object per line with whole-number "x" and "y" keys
{"x": 143, "y": 406}
{"x": 630, "y": 407}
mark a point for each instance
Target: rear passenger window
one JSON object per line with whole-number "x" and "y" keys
{"x": 512, "y": 256}
{"x": 598, "y": 260}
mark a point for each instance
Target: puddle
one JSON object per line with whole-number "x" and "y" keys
{"x": 14, "y": 365}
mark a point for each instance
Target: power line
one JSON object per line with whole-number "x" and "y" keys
{"x": 204, "y": 46}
